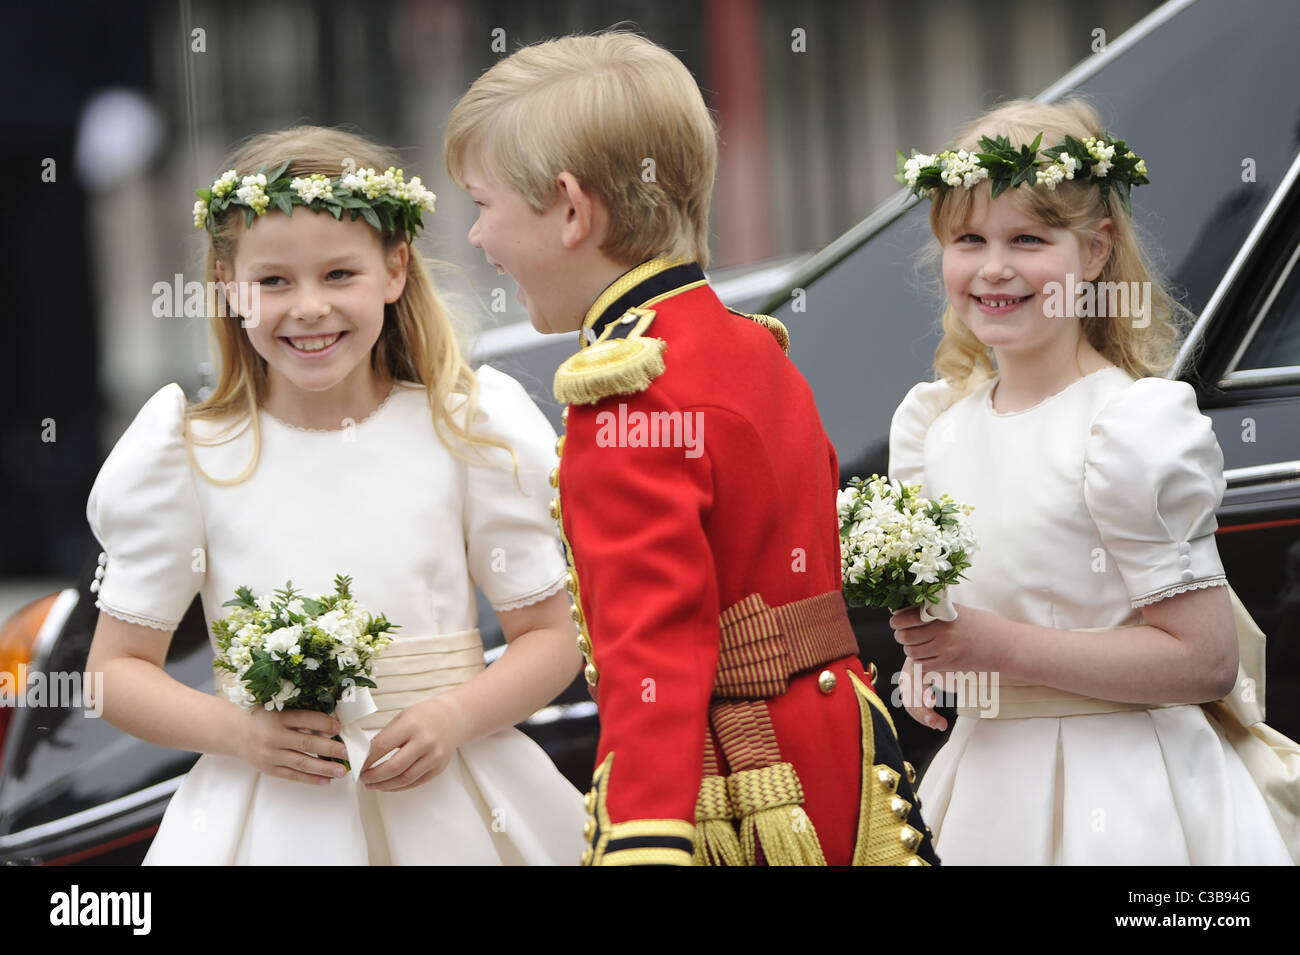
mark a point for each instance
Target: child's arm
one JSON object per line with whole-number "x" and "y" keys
{"x": 140, "y": 698}
{"x": 1185, "y": 653}
{"x": 541, "y": 661}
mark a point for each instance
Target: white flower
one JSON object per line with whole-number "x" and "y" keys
{"x": 221, "y": 187}
{"x": 295, "y": 606}
{"x": 310, "y": 188}
{"x": 252, "y": 192}
{"x": 346, "y": 657}
{"x": 238, "y": 694}
{"x": 265, "y": 603}
{"x": 200, "y": 214}
{"x": 1070, "y": 164}
{"x": 1050, "y": 176}
{"x": 284, "y": 641}
{"x": 1141, "y": 167}
{"x": 287, "y": 692}
{"x": 311, "y": 663}
{"x": 912, "y": 167}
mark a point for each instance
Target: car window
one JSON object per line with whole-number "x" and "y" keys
{"x": 1277, "y": 341}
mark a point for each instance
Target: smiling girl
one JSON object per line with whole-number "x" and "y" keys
{"x": 346, "y": 434}
{"x": 1097, "y": 594}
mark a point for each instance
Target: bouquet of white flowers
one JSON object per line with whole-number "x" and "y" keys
{"x": 898, "y": 549}
{"x": 307, "y": 653}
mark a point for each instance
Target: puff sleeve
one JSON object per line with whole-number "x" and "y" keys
{"x": 1153, "y": 479}
{"x": 912, "y": 419}
{"x": 144, "y": 511}
{"x": 512, "y": 547}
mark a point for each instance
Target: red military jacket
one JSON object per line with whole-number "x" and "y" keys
{"x": 694, "y": 473}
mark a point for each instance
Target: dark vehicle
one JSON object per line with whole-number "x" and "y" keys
{"x": 1206, "y": 91}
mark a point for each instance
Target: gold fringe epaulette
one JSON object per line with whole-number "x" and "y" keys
{"x": 623, "y": 361}
{"x": 775, "y": 326}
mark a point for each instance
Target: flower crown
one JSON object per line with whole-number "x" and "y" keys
{"x": 1107, "y": 162}
{"x": 382, "y": 199}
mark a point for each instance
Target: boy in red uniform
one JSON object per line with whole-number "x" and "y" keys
{"x": 697, "y": 487}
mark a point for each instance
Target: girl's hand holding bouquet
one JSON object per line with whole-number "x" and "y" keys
{"x": 292, "y": 661}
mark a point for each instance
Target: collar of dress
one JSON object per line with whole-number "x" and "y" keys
{"x": 641, "y": 287}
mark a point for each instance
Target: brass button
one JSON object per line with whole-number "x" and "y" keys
{"x": 589, "y": 829}
{"x": 915, "y": 861}
{"x": 571, "y": 583}
{"x": 899, "y": 807}
{"x": 911, "y": 838}
{"x": 826, "y": 681}
{"x": 589, "y": 801}
{"x": 575, "y": 613}
{"x": 591, "y": 673}
{"x": 555, "y": 477}
{"x": 586, "y": 856}
{"x": 559, "y": 446}
{"x": 871, "y": 673}
{"x": 555, "y": 508}
{"x": 910, "y": 770}
{"x": 584, "y": 645}
{"x": 887, "y": 777}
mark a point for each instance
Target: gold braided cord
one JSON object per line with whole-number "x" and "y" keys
{"x": 773, "y": 325}
{"x": 675, "y": 828}
{"x": 716, "y": 842}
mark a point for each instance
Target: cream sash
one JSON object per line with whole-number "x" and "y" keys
{"x": 410, "y": 670}
{"x": 1272, "y": 759}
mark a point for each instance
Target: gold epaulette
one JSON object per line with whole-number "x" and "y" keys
{"x": 778, "y": 330}
{"x": 623, "y": 361}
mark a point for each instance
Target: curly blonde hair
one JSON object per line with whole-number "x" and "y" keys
{"x": 961, "y": 358}
{"x": 418, "y": 342}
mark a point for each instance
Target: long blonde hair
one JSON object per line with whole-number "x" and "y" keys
{"x": 961, "y": 358}
{"x": 621, "y": 114}
{"x": 418, "y": 342}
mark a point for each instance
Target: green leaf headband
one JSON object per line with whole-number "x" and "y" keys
{"x": 382, "y": 199}
{"x": 1107, "y": 162}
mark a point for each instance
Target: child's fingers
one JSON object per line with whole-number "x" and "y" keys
{"x": 414, "y": 775}
{"x": 316, "y": 745}
{"x": 310, "y": 720}
{"x": 907, "y": 618}
{"x": 303, "y": 768}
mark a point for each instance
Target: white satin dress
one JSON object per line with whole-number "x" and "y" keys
{"x": 1088, "y": 506}
{"x": 386, "y": 503}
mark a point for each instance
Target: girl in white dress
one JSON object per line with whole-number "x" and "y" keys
{"x": 1096, "y": 595}
{"x": 346, "y": 435}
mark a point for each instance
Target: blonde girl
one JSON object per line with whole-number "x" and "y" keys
{"x": 1097, "y": 598}
{"x": 346, "y": 434}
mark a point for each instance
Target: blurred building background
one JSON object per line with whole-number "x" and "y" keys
{"x": 136, "y": 103}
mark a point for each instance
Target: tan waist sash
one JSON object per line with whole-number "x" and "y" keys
{"x": 413, "y": 669}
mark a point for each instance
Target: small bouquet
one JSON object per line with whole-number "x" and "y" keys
{"x": 898, "y": 549}
{"x": 307, "y": 653}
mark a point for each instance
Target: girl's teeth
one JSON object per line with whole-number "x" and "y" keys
{"x": 999, "y": 302}
{"x": 315, "y": 344}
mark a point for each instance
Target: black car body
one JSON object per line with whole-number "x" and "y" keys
{"x": 1198, "y": 89}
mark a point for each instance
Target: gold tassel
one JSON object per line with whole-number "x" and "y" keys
{"x": 770, "y": 802}
{"x": 616, "y": 366}
{"x": 715, "y": 837}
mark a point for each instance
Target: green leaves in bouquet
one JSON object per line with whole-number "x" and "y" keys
{"x": 243, "y": 598}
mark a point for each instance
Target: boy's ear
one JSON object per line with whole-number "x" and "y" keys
{"x": 584, "y": 214}
{"x": 1098, "y": 249}
{"x": 395, "y": 262}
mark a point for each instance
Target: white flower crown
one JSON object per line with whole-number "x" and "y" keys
{"x": 385, "y": 200}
